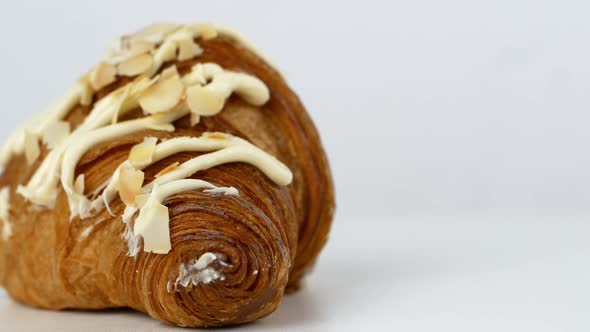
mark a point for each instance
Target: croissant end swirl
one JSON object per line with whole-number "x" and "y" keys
{"x": 236, "y": 245}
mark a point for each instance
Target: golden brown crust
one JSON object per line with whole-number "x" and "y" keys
{"x": 269, "y": 235}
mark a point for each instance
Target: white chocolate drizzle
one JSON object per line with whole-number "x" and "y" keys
{"x": 15, "y": 144}
{"x": 164, "y": 98}
{"x": 42, "y": 188}
{"x": 196, "y": 272}
{"x": 78, "y": 148}
{"x": 5, "y": 213}
{"x": 226, "y": 149}
{"x": 238, "y": 150}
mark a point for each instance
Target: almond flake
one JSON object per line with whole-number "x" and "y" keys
{"x": 169, "y": 72}
{"x": 79, "y": 184}
{"x": 153, "y": 225}
{"x": 155, "y": 33}
{"x": 195, "y": 118}
{"x": 130, "y": 182}
{"x": 162, "y": 96}
{"x": 128, "y": 48}
{"x": 138, "y": 47}
{"x": 86, "y": 92}
{"x": 119, "y": 98}
{"x": 32, "y": 150}
{"x": 182, "y": 33}
{"x": 103, "y": 75}
{"x": 204, "y": 30}
{"x": 136, "y": 65}
{"x": 166, "y": 52}
{"x": 168, "y": 169}
{"x": 139, "y": 85}
{"x": 141, "y": 199}
{"x": 187, "y": 49}
{"x": 142, "y": 153}
{"x": 56, "y": 133}
{"x": 203, "y": 101}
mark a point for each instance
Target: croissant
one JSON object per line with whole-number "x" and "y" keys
{"x": 180, "y": 177}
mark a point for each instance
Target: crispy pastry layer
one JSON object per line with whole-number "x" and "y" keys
{"x": 265, "y": 239}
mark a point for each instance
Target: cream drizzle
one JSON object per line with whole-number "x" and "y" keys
{"x": 243, "y": 151}
{"x": 196, "y": 272}
{"x": 229, "y": 149}
{"x": 224, "y": 83}
{"x": 42, "y": 187}
{"x": 79, "y": 148}
{"x": 5, "y": 213}
{"x": 161, "y": 151}
{"x": 205, "y": 91}
{"x": 59, "y": 109}
{"x": 15, "y": 144}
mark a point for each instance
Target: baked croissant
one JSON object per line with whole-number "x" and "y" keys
{"x": 180, "y": 177}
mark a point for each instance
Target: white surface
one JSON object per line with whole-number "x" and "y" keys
{"x": 454, "y": 108}
{"x": 455, "y": 273}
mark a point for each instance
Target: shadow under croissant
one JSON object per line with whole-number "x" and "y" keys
{"x": 335, "y": 281}
{"x": 295, "y": 308}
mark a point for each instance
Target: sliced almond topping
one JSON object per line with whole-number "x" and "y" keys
{"x": 136, "y": 65}
{"x": 168, "y": 169}
{"x": 56, "y": 133}
{"x": 86, "y": 92}
{"x": 141, "y": 199}
{"x": 166, "y": 52}
{"x": 162, "y": 96}
{"x": 216, "y": 135}
{"x": 79, "y": 184}
{"x": 130, "y": 182}
{"x": 204, "y": 30}
{"x": 137, "y": 47}
{"x": 153, "y": 225}
{"x": 32, "y": 150}
{"x": 155, "y": 33}
{"x": 119, "y": 98}
{"x": 188, "y": 49}
{"x": 169, "y": 72}
{"x": 195, "y": 118}
{"x": 139, "y": 85}
{"x": 182, "y": 33}
{"x": 142, "y": 153}
{"x": 203, "y": 101}
{"x": 103, "y": 75}
{"x": 114, "y": 48}
{"x": 128, "y": 48}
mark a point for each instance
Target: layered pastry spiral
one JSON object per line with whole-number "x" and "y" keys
{"x": 180, "y": 176}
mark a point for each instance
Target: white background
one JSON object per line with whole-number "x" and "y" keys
{"x": 457, "y": 134}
